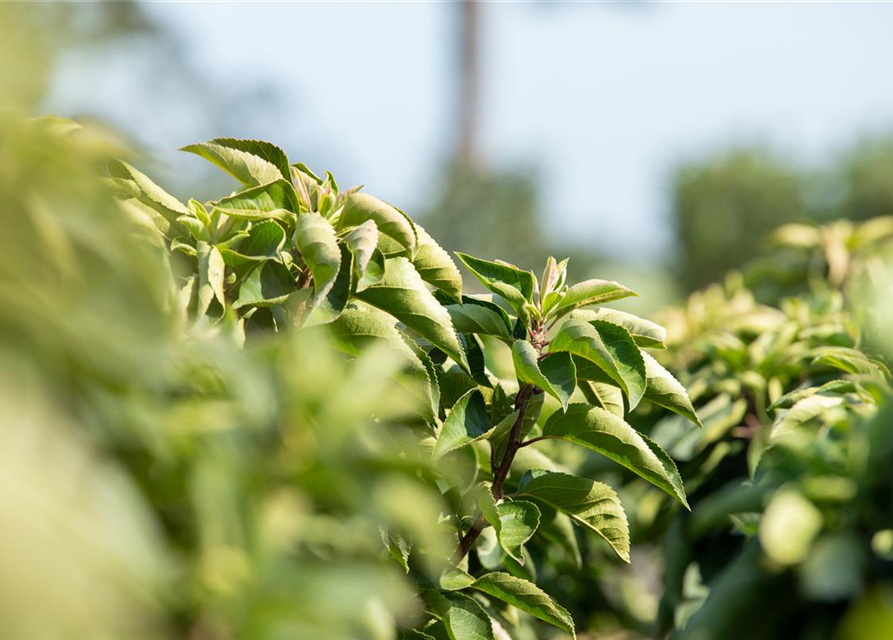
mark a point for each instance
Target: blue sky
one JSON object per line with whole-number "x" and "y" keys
{"x": 602, "y": 99}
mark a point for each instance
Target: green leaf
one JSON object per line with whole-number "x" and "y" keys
{"x": 602, "y": 431}
{"x": 436, "y": 266}
{"x": 468, "y": 421}
{"x": 396, "y": 234}
{"x": 477, "y": 364}
{"x": 590, "y": 292}
{"x": 478, "y": 319}
{"x": 664, "y": 390}
{"x": 271, "y": 200}
{"x": 588, "y": 503}
{"x": 462, "y": 616}
{"x": 398, "y": 547}
{"x": 514, "y": 522}
{"x": 644, "y": 332}
{"x": 604, "y": 395}
{"x": 527, "y": 597}
{"x": 266, "y": 285}
{"x": 150, "y": 194}
{"x": 403, "y": 294}
{"x": 362, "y": 241}
{"x": 504, "y": 280}
{"x": 788, "y": 400}
{"x": 331, "y": 304}
{"x": 315, "y": 239}
{"x": 556, "y": 375}
{"x": 851, "y": 361}
{"x": 251, "y": 162}
{"x": 211, "y": 270}
{"x": 265, "y": 240}
{"x": 611, "y": 348}
{"x": 804, "y": 411}
{"x": 360, "y": 325}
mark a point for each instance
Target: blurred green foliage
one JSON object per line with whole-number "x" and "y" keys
{"x": 724, "y": 207}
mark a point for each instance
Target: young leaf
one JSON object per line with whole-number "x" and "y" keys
{"x": 328, "y": 307}
{"x": 251, "y": 162}
{"x": 468, "y": 421}
{"x": 211, "y": 270}
{"x": 557, "y": 377}
{"x": 462, "y": 616}
{"x": 396, "y": 234}
{"x": 315, "y": 239}
{"x": 611, "y": 348}
{"x": 362, "y": 241}
{"x": 527, "y": 597}
{"x": 403, "y": 294}
{"x": 588, "y": 503}
{"x": 601, "y": 431}
{"x": 664, "y": 390}
{"x": 514, "y": 522}
{"x": 590, "y": 292}
{"x": 271, "y": 200}
{"x": 511, "y": 283}
{"x": 436, "y": 266}
{"x": 644, "y": 332}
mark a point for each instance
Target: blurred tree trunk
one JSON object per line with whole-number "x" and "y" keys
{"x": 469, "y": 82}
